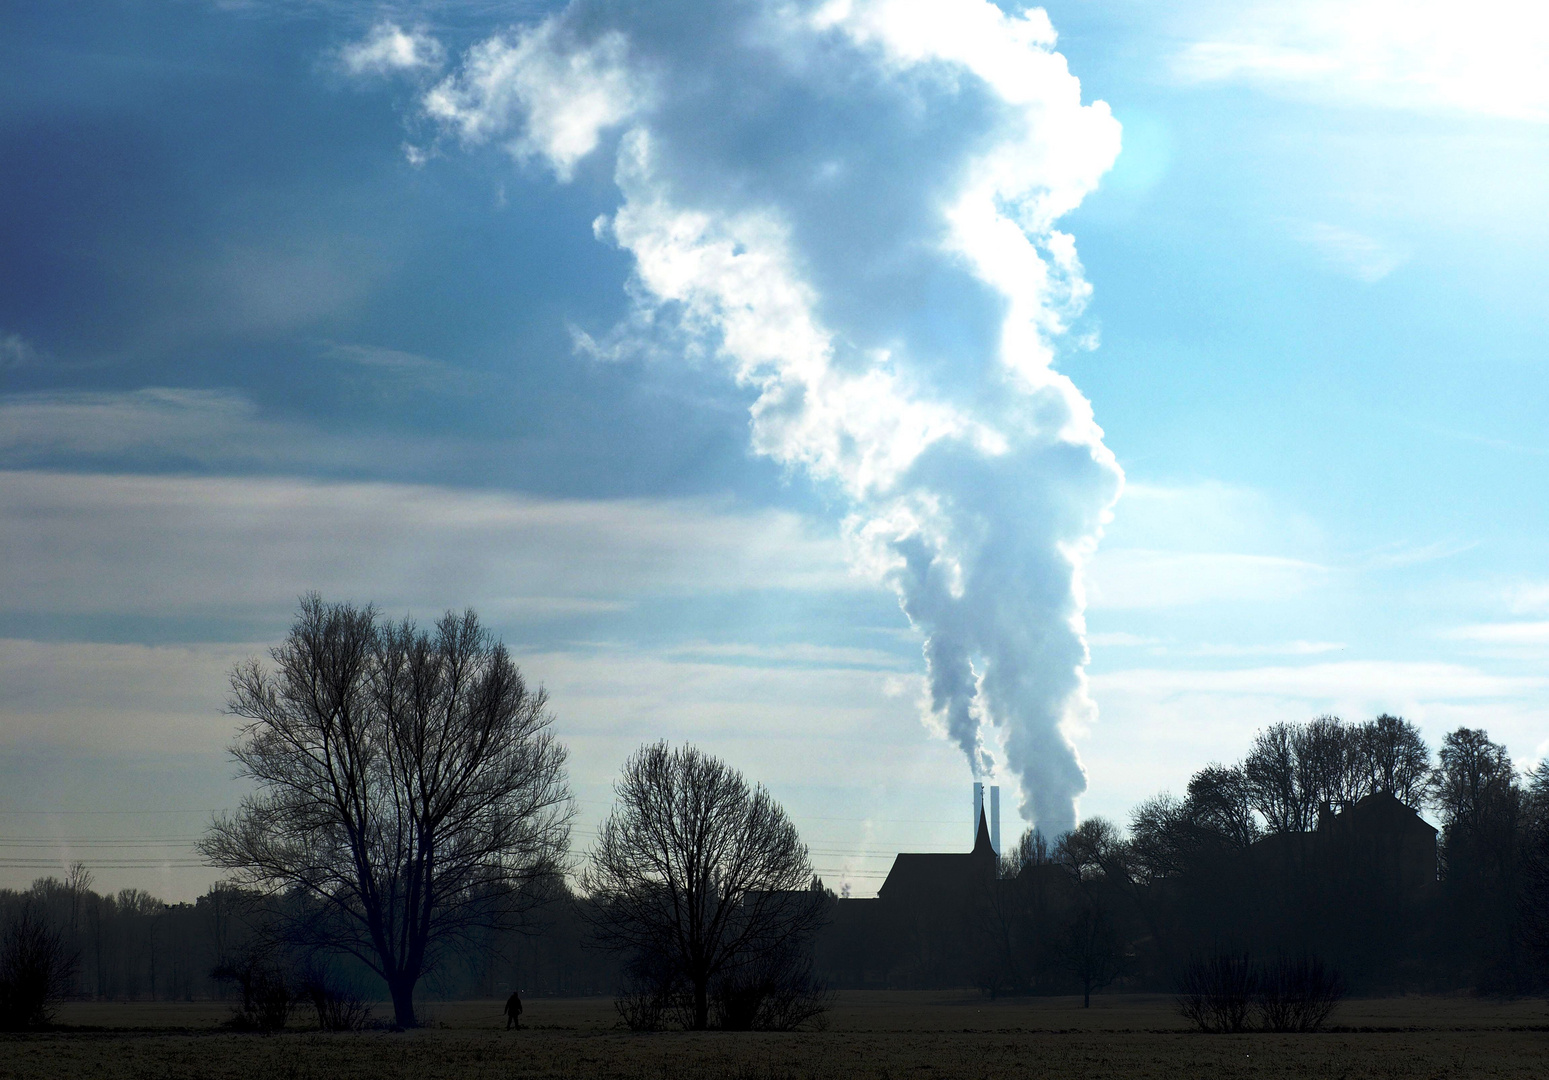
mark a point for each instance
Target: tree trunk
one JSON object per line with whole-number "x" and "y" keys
{"x": 1086, "y": 995}
{"x": 402, "y": 990}
{"x": 701, "y": 1004}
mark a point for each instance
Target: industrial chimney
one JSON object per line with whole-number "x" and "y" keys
{"x": 973, "y": 834}
{"x": 995, "y": 819}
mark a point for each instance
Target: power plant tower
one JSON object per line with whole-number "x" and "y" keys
{"x": 995, "y": 818}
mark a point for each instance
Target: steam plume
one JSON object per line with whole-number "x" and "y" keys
{"x": 852, "y": 205}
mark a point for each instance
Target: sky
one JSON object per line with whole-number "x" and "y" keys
{"x": 874, "y": 394}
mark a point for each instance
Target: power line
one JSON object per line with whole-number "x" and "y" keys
{"x": 116, "y": 813}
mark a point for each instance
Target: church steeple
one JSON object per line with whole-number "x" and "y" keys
{"x": 982, "y": 845}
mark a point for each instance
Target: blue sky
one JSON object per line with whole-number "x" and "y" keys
{"x": 270, "y": 322}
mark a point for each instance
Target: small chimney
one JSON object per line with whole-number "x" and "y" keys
{"x": 995, "y": 818}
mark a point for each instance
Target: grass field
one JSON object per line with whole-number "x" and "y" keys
{"x": 889, "y": 1036}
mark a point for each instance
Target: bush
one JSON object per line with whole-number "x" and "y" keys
{"x": 642, "y": 1010}
{"x": 1223, "y": 992}
{"x": 776, "y": 992}
{"x": 267, "y": 998}
{"x": 35, "y": 968}
{"x": 1296, "y": 994}
{"x": 1216, "y": 993}
{"x": 338, "y": 1008}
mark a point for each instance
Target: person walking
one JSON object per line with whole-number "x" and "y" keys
{"x": 514, "y": 1011}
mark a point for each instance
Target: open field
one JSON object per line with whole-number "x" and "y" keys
{"x": 888, "y": 1036}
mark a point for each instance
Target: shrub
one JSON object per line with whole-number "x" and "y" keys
{"x": 266, "y": 999}
{"x": 1222, "y": 993}
{"x": 35, "y": 968}
{"x": 1296, "y": 994}
{"x": 1216, "y": 993}
{"x": 338, "y": 1006}
{"x": 776, "y": 992}
{"x": 338, "y": 1009}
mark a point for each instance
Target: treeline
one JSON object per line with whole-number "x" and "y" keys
{"x": 1311, "y": 846}
{"x": 131, "y": 946}
{"x": 1310, "y": 849}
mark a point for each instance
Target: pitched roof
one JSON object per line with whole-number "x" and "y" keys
{"x": 917, "y": 873}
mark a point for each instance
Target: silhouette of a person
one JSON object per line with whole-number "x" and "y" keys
{"x": 514, "y": 1011}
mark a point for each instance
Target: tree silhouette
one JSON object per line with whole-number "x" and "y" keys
{"x": 701, "y": 879}
{"x": 409, "y": 787}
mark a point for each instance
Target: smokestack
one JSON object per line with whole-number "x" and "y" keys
{"x": 978, "y": 812}
{"x": 995, "y": 818}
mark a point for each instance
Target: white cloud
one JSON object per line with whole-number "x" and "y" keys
{"x": 1122, "y": 639}
{"x": 389, "y": 48}
{"x": 164, "y": 424}
{"x": 558, "y": 95}
{"x": 120, "y": 422}
{"x": 1369, "y": 682}
{"x": 1207, "y": 515}
{"x": 1485, "y": 59}
{"x": 978, "y": 482}
{"x": 1287, "y": 648}
{"x": 1357, "y": 255}
{"x": 1130, "y": 578}
{"x": 1529, "y": 598}
{"x": 181, "y": 546}
{"x": 1517, "y": 634}
{"x": 803, "y": 655}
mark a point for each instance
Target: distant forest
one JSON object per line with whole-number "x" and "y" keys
{"x": 1310, "y": 847}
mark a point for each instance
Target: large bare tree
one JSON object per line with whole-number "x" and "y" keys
{"x": 701, "y": 877}
{"x": 410, "y": 787}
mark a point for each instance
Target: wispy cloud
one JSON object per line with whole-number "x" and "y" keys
{"x": 244, "y": 548}
{"x": 393, "y": 373}
{"x": 1351, "y": 253}
{"x": 1285, "y": 648}
{"x": 162, "y": 425}
{"x": 389, "y": 49}
{"x": 1529, "y": 598}
{"x": 15, "y": 351}
{"x": 1503, "y": 633}
{"x": 1122, "y": 639}
{"x": 1421, "y": 55}
{"x": 1128, "y": 578}
{"x": 798, "y": 655}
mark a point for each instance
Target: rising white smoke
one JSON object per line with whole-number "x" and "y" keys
{"x": 853, "y": 205}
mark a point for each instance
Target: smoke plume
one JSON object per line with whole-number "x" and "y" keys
{"x": 852, "y": 205}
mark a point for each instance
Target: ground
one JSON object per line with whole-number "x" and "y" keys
{"x": 887, "y": 1036}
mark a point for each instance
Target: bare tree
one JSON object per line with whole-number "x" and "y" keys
{"x": 1534, "y": 899}
{"x": 1218, "y": 812}
{"x": 410, "y": 787}
{"x": 1395, "y": 759}
{"x": 1294, "y": 771}
{"x": 699, "y": 877}
{"x": 1091, "y": 949}
{"x": 1474, "y": 783}
{"x": 36, "y": 968}
{"x": 1275, "y": 785}
{"x": 1328, "y": 754}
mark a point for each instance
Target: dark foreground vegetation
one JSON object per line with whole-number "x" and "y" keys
{"x": 869, "y": 1035}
